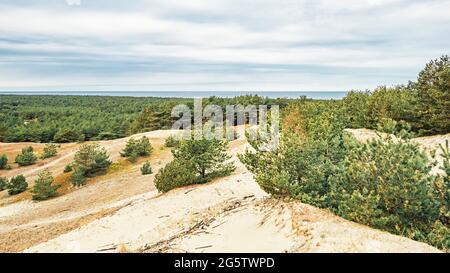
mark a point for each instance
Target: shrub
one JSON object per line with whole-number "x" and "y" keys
{"x": 387, "y": 184}
{"x": 136, "y": 148}
{"x": 27, "y": 157}
{"x": 3, "y": 162}
{"x": 43, "y": 188}
{"x": 68, "y": 168}
{"x": 3, "y": 183}
{"x": 17, "y": 185}
{"x": 172, "y": 141}
{"x": 146, "y": 168}
{"x": 50, "y": 150}
{"x": 207, "y": 156}
{"x": 91, "y": 160}
{"x": 78, "y": 178}
{"x": 175, "y": 174}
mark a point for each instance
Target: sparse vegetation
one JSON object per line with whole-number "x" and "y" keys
{"x": 172, "y": 142}
{"x": 196, "y": 161}
{"x": 16, "y": 185}
{"x": 3, "y": 183}
{"x": 90, "y": 161}
{"x": 136, "y": 148}
{"x": 68, "y": 168}
{"x": 43, "y": 188}
{"x": 177, "y": 173}
{"x": 146, "y": 169}
{"x": 27, "y": 157}
{"x": 208, "y": 157}
{"x": 50, "y": 150}
{"x": 4, "y": 162}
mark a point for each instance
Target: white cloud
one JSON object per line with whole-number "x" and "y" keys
{"x": 267, "y": 44}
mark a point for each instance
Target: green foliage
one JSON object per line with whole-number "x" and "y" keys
{"x": 433, "y": 90}
{"x": 136, "y": 148}
{"x": 208, "y": 157}
{"x": 78, "y": 177}
{"x": 62, "y": 119}
{"x": 17, "y": 185}
{"x": 68, "y": 135}
{"x": 91, "y": 160}
{"x": 3, "y": 183}
{"x": 3, "y": 162}
{"x": 68, "y": 168}
{"x": 50, "y": 150}
{"x": 172, "y": 141}
{"x": 385, "y": 183}
{"x": 43, "y": 188}
{"x": 27, "y": 157}
{"x": 177, "y": 173}
{"x": 146, "y": 169}
{"x": 196, "y": 161}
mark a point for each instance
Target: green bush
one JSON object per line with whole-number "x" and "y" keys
{"x": 207, "y": 156}
{"x": 68, "y": 168}
{"x": 17, "y": 185}
{"x": 50, "y": 150}
{"x": 43, "y": 188}
{"x": 27, "y": 157}
{"x": 146, "y": 168}
{"x": 3, "y": 162}
{"x": 172, "y": 141}
{"x": 177, "y": 173}
{"x": 3, "y": 183}
{"x": 78, "y": 178}
{"x": 91, "y": 160}
{"x": 385, "y": 183}
{"x": 136, "y": 148}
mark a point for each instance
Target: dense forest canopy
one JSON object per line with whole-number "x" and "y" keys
{"x": 79, "y": 118}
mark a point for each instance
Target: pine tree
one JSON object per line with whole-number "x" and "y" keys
{"x": 3, "y": 162}
{"x": 3, "y": 183}
{"x": 17, "y": 185}
{"x": 208, "y": 156}
{"x": 50, "y": 150}
{"x": 27, "y": 157}
{"x": 43, "y": 188}
{"x": 146, "y": 168}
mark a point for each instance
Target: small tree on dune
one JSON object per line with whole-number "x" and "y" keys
{"x": 43, "y": 187}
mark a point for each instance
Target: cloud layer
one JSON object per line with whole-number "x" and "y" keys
{"x": 218, "y": 45}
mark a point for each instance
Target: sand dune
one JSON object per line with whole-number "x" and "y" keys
{"x": 122, "y": 212}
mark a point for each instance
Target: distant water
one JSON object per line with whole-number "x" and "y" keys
{"x": 189, "y": 94}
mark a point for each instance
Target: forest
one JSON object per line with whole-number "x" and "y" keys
{"x": 63, "y": 119}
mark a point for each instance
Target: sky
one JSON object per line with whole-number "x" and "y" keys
{"x": 218, "y": 45}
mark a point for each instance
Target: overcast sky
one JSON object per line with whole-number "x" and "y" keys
{"x": 218, "y": 44}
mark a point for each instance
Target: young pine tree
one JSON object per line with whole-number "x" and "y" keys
{"x": 208, "y": 157}
{"x": 43, "y": 187}
{"x": 146, "y": 168}
{"x": 3, "y": 183}
{"x": 50, "y": 150}
{"x": 4, "y": 162}
{"x": 17, "y": 185}
{"x": 27, "y": 157}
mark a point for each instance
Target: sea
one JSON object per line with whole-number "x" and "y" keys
{"x": 322, "y": 95}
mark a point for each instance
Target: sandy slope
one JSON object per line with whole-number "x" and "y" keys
{"x": 230, "y": 214}
{"x": 24, "y": 223}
